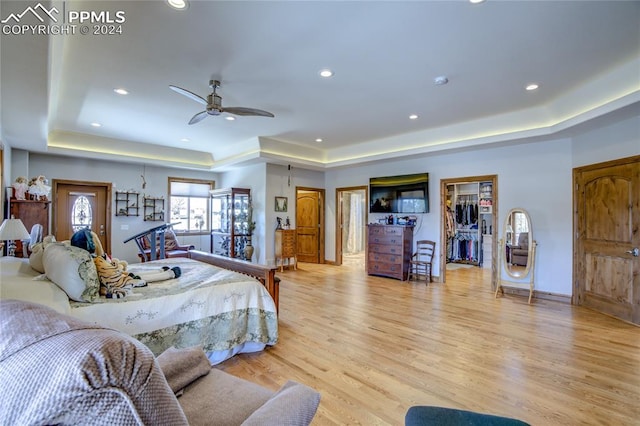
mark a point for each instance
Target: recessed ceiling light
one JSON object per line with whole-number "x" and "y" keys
{"x": 326, "y": 73}
{"x": 95, "y": 124}
{"x": 185, "y": 140}
{"x": 178, "y": 4}
{"x": 230, "y": 118}
{"x": 440, "y": 80}
{"x": 121, "y": 91}
{"x": 319, "y": 140}
{"x": 532, "y": 86}
{"x": 413, "y": 117}
{"x": 476, "y": 1}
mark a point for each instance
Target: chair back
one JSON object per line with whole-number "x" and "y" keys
{"x": 424, "y": 251}
{"x": 35, "y": 237}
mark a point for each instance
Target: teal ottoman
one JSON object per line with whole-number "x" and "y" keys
{"x": 425, "y": 415}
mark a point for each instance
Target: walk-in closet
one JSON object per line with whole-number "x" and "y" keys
{"x": 469, "y": 223}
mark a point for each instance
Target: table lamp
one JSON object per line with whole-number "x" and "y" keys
{"x": 11, "y": 230}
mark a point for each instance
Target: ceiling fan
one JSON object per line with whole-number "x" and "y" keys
{"x": 214, "y": 104}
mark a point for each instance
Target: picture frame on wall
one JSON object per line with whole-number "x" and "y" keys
{"x": 281, "y": 204}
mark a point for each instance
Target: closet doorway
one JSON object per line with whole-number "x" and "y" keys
{"x": 351, "y": 225}
{"x": 468, "y": 217}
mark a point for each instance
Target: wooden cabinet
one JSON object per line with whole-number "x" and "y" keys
{"x": 389, "y": 249}
{"x": 127, "y": 203}
{"x": 230, "y": 221}
{"x": 286, "y": 247}
{"x": 30, "y": 212}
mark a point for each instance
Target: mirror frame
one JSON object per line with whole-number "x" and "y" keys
{"x": 530, "y": 260}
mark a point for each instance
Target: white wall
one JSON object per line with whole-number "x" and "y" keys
{"x": 123, "y": 176}
{"x": 611, "y": 142}
{"x": 536, "y": 177}
{"x": 280, "y": 185}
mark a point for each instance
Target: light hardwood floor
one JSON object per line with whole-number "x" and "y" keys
{"x": 373, "y": 347}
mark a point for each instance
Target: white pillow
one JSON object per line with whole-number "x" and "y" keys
{"x": 73, "y": 270}
{"x": 35, "y": 259}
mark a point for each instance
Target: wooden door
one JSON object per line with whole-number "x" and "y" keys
{"x": 607, "y": 230}
{"x": 81, "y": 204}
{"x": 309, "y": 220}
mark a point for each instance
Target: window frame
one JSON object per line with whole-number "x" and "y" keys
{"x": 211, "y": 183}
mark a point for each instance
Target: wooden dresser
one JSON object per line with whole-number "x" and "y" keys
{"x": 30, "y": 212}
{"x": 389, "y": 249}
{"x": 286, "y": 248}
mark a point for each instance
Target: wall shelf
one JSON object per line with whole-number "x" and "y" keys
{"x": 127, "y": 203}
{"x": 153, "y": 209}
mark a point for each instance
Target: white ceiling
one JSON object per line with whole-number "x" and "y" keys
{"x": 385, "y": 55}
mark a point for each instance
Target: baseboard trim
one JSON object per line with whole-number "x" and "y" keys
{"x": 543, "y": 295}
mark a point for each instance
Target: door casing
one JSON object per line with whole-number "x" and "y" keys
{"x": 339, "y": 212}
{"x": 494, "y": 222}
{"x": 300, "y": 230}
{"x": 59, "y": 212}
{"x": 606, "y": 200}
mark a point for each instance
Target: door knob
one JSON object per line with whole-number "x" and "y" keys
{"x": 635, "y": 252}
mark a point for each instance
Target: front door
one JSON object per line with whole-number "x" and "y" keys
{"x": 607, "y": 232}
{"x": 309, "y": 220}
{"x": 79, "y": 205}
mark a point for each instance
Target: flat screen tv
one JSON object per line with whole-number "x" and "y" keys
{"x": 399, "y": 194}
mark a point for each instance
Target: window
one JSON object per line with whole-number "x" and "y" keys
{"x": 81, "y": 213}
{"x": 189, "y": 204}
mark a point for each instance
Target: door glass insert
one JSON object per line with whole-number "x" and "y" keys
{"x": 81, "y": 214}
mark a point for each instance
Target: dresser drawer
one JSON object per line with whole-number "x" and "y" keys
{"x": 385, "y": 258}
{"x": 386, "y": 230}
{"x": 386, "y": 269}
{"x": 386, "y": 239}
{"x": 386, "y": 249}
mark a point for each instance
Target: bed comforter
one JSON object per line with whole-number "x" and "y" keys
{"x": 223, "y": 311}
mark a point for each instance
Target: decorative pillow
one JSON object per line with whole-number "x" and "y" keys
{"x": 35, "y": 259}
{"x": 170, "y": 240}
{"x": 73, "y": 270}
{"x": 145, "y": 242}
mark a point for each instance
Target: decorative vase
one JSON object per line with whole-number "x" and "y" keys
{"x": 248, "y": 252}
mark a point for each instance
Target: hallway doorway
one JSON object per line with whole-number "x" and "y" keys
{"x": 351, "y": 226}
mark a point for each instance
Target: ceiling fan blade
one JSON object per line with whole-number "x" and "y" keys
{"x": 189, "y": 94}
{"x": 198, "y": 117}
{"x": 248, "y": 111}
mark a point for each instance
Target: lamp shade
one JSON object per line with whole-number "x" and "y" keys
{"x": 13, "y": 229}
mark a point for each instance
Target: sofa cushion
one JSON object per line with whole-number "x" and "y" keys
{"x": 293, "y": 404}
{"x": 228, "y": 399}
{"x": 73, "y": 270}
{"x": 182, "y": 366}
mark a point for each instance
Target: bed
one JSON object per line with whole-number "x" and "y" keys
{"x": 225, "y": 305}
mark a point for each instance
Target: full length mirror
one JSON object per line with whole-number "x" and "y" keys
{"x": 518, "y": 238}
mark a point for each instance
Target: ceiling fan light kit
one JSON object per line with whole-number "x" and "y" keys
{"x": 213, "y": 104}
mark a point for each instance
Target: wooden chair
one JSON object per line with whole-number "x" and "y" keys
{"x": 422, "y": 260}
{"x": 159, "y": 243}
